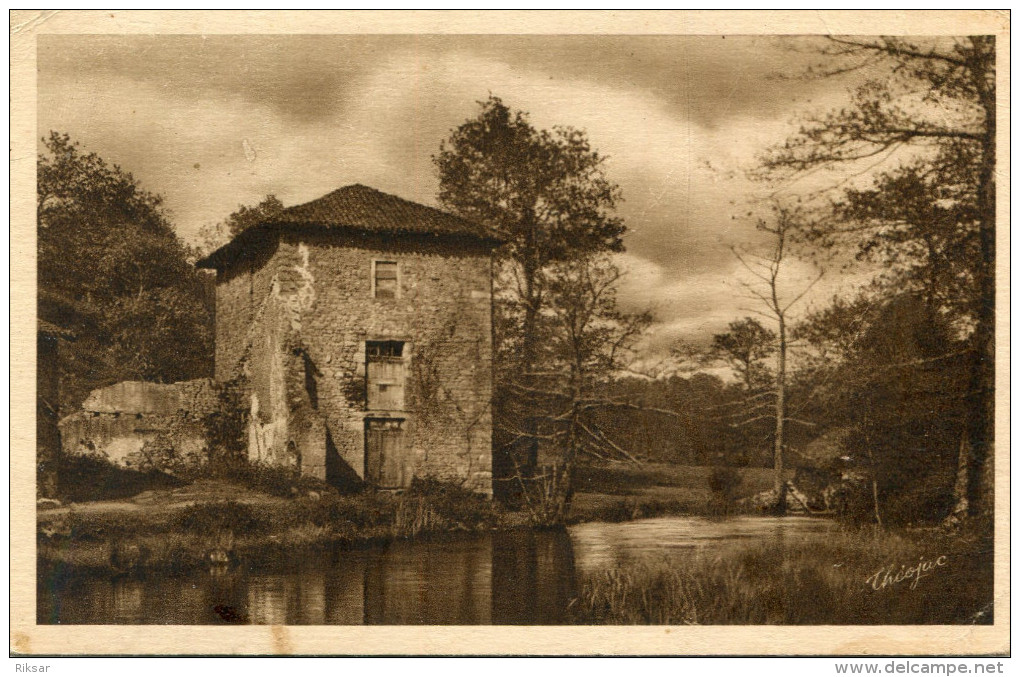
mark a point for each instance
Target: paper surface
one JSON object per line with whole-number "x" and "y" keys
{"x": 27, "y": 27}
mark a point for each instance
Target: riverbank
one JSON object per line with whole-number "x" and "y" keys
{"x": 213, "y": 522}
{"x": 259, "y": 516}
{"x": 852, "y": 577}
{"x": 218, "y": 528}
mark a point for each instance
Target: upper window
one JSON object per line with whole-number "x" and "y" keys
{"x": 385, "y": 283}
{"x": 383, "y": 349}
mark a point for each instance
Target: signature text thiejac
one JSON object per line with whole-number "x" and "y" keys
{"x": 890, "y": 575}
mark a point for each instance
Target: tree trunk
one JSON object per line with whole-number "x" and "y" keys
{"x": 529, "y": 347}
{"x": 981, "y": 430}
{"x": 780, "y": 484}
{"x": 961, "y": 503}
{"x": 874, "y": 470}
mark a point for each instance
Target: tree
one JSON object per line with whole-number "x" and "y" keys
{"x": 113, "y": 272}
{"x": 546, "y": 194}
{"x": 937, "y": 99}
{"x": 766, "y": 291}
{"x": 745, "y": 347}
{"x": 894, "y": 379}
{"x": 588, "y": 342}
{"x": 213, "y": 237}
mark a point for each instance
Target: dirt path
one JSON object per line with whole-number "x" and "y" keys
{"x": 160, "y": 500}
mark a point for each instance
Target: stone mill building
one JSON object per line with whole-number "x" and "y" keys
{"x": 358, "y": 327}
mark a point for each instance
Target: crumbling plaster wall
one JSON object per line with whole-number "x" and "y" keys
{"x": 117, "y": 421}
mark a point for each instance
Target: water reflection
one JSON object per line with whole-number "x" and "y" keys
{"x": 500, "y": 578}
{"x": 599, "y": 545}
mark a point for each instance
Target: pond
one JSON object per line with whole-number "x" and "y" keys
{"x": 499, "y": 578}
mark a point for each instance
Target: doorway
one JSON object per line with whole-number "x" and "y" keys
{"x": 384, "y": 453}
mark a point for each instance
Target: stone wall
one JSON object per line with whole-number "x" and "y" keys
{"x": 240, "y": 292}
{"x": 304, "y": 352}
{"x": 118, "y": 421}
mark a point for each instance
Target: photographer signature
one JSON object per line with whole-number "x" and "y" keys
{"x": 890, "y": 576}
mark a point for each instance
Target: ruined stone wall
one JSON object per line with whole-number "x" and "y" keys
{"x": 443, "y": 314}
{"x": 118, "y": 421}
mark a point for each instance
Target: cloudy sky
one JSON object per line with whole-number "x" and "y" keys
{"x": 214, "y": 122}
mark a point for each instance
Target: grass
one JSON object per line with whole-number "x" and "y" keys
{"x": 817, "y": 583}
{"x": 253, "y": 514}
{"x": 618, "y": 493}
{"x": 632, "y": 480}
{"x": 176, "y": 539}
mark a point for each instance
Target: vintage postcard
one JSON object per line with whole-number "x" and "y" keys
{"x": 675, "y": 333}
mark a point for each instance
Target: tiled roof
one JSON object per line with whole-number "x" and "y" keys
{"x": 369, "y": 209}
{"x": 357, "y": 208}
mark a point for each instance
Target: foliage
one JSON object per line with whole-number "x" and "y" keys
{"x": 895, "y": 375}
{"x": 744, "y": 347}
{"x": 225, "y": 427}
{"x": 724, "y": 482}
{"x": 112, "y": 271}
{"x": 213, "y": 237}
{"x": 927, "y": 215}
{"x": 231, "y": 516}
{"x": 268, "y": 479}
{"x": 544, "y": 192}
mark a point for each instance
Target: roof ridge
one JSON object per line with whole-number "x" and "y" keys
{"x": 359, "y": 207}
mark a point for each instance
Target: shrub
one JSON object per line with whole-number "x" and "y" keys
{"x": 363, "y": 511}
{"x": 163, "y": 454}
{"x": 724, "y": 482}
{"x": 225, "y": 428}
{"x": 79, "y": 526}
{"x": 273, "y": 480}
{"x": 208, "y": 518}
{"x": 453, "y": 502}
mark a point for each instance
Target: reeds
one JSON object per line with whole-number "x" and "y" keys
{"x": 824, "y": 582}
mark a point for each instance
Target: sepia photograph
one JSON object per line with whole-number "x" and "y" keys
{"x": 485, "y": 328}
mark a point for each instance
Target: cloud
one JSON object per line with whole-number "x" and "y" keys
{"x": 214, "y": 122}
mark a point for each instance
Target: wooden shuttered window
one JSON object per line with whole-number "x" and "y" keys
{"x": 386, "y": 372}
{"x": 385, "y": 283}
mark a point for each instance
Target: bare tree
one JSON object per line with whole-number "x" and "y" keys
{"x": 587, "y": 344}
{"x": 775, "y": 305}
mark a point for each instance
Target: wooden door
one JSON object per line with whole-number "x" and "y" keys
{"x": 384, "y": 453}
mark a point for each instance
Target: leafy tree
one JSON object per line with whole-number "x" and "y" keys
{"x": 933, "y": 217}
{"x": 745, "y": 347}
{"x": 546, "y": 194}
{"x": 213, "y": 237}
{"x": 112, "y": 270}
{"x": 895, "y": 378}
